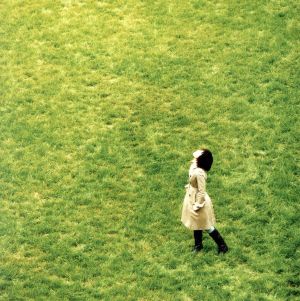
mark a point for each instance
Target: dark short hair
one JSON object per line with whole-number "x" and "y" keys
{"x": 205, "y": 161}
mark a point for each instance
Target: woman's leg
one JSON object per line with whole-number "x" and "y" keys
{"x": 198, "y": 240}
{"x": 216, "y": 236}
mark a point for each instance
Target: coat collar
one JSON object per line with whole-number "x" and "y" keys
{"x": 194, "y": 166}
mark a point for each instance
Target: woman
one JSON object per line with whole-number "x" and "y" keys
{"x": 197, "y": 211}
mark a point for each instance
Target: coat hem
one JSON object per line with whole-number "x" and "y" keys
{"x": 196, "y": 228}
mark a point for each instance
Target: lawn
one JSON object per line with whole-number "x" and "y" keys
{"x": 102, "y": 104}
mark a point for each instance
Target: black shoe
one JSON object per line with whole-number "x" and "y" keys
{"x": 222, "y": 249}
{"x": 216, "y": 236}
{"x": 197, "y": 248}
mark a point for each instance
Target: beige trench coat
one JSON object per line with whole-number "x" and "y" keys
{"x": 197, "y": 210}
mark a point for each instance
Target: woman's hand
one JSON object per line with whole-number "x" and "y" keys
{"x": 198, "y": 206}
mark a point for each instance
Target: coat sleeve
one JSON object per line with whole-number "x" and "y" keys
{"x": 201, "y": 185}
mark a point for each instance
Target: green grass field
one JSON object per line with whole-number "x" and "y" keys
{"x": 102, "y": 104}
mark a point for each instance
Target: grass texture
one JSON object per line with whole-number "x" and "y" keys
{"x": 102, "y": 104}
